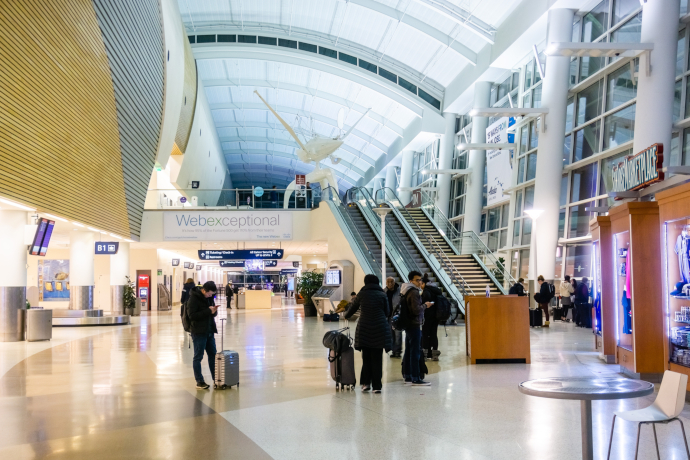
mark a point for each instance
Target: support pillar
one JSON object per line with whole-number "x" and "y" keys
{"x": 477, "y": 161}
{"x": 119, "y": 271}
{"x": 406, "y": 176}
{"x": 654, "y": 112}
{"x": 445, "y": 161}
{"x": 549, "y": 162}
{"x": 391, "y": 178}
{"x": 81, "y": 267}
{"x": 12, "y": 276}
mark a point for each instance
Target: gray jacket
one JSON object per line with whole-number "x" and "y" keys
{"x": 395, "y": 304}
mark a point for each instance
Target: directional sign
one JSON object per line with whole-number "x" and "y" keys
{"x": 270, "y": 263}
{"x": 176, "y": 262}
{"x": 107, "y": 248}
{"x": 295, "y": 265}
{"x": 288, "y": 271}
{"x": 208, "y": 254}
{"x": 232, "y": 263}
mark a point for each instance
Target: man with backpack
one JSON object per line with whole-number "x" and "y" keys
{"x": 582, "y": 305}
{"x": 434, "y": 296}
{"x": 412, "y": 318}
{"x": 198, "y": 319}
{"x": 546, "y": 292}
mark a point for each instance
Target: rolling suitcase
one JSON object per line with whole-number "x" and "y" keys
{"x": 343, "y": 365}
{"x": 535, "y": 318}
{"x": 227, "y": 366}
{"x": 558, "y": 314}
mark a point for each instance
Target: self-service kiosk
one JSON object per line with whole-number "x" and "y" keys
{"x": 338, "y": 282}
{"x": 143, "y": 290}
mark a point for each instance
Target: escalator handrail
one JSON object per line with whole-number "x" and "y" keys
{"x": 450, "y": 268}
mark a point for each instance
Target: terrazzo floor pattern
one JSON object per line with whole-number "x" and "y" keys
{"x": 128, "y": 392}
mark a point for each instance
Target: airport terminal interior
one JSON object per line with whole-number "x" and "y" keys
{"x": 344, "y": 229}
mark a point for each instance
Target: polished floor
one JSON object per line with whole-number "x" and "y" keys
{"x": 128, "y": 392}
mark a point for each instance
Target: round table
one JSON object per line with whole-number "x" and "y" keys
{"x": 586, "y": 390}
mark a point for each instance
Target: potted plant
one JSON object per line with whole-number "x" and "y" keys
{"x": 130, "y": 298}
{"x": 307, "y": 285}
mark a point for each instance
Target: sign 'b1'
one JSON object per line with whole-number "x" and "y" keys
{"x": 106, "y": 247}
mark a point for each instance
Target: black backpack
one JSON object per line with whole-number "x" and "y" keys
{"x": 401, "y": 321}
{"x": 186, "y": 322}
{"x": 442, "y": 305}
{"x": 552, "y": 291}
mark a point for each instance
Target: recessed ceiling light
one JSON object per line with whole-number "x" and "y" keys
{"x": 56, "y": 217}
{"x": 20, "y": 206}
{"x": 78, "y": 225}
{"x": 93, "y": 229}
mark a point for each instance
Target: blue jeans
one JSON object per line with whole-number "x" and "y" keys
{"x": 204, "y": 342}
{"x": 413, "y": 339}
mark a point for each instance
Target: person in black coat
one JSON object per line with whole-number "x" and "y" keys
{"x": 518, "y": 288}
{"x": 186, "y": 290}
{"x": 430, "y": 327}
{"x": 373, "y": 333}
{"x": 543, "y": 297}
{"x": 203, "y": 328}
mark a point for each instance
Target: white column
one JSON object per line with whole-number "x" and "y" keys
{"x": 477, "y": 161}
{"x": 391, "y": 178}
{"x": 81, "y": 267}
{"x": 12, "y": 275}
{"x": 547, "y": 189}
{"x": 406, "y": 176}
{"x": 654, "y": 112}
{"x": 119, "y": 271}
{"x": 445, "y": 161}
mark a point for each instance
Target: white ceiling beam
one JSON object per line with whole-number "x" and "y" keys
{"x": 358, "y": 50}
{"x": 292, "y": 143}
{"x": 462, "y": 17}
{"x": 285, "y": 109}
{"x": 314, "y": 61}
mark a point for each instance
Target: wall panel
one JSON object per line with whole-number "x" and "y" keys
{"x": 184, "y": 126}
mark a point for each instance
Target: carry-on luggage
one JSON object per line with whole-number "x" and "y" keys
{"x": 227, "y": 366}
{"x": 535, "y": 318}
{"x": 331, "y": 317}
{"x": 341, "y": 357}
{"x": 558, "y": 314}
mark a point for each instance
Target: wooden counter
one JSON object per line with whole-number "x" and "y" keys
{"x": 255, "y": 300}
{"x": 497, "y": 329}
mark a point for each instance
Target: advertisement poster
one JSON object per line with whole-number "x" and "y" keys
{"x": 499, "y": 169}
{"x": 53, "y": 280}
{"x": 227, "y": 225}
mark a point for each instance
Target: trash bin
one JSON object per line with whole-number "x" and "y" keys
{"x": 39, "y": 324}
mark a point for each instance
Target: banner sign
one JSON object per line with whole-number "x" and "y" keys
{"x": 232, "y": 263}
{"x": 227, "y": 226}
{"x": 499, "y": 168}
{"x": 288, "y": 271}
{"x": 208, "y": 254}
{"x": 107, "y": 248}
{"x": 637, "y": 171}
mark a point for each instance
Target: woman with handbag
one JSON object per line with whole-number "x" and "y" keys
{"x": 566, "y": 289}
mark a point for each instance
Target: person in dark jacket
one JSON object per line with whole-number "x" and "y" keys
{"x": 274, "y": 197}
{"x": 186, "y": 289}
{"x": 582, "y": 305}
{"x": 373, "y": 333}
{"x": 430, "y": 327}
{"x": 518, "y": 288}
{"x": 203, "y": 328}
{"x": 543, "y": 297}
{"x": 228, "y": 294}
{"x": 412, "y": 301}
{"x": 392, "y": 291}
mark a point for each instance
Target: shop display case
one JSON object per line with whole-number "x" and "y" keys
{"x": 603, "y": 292}
{"x": 635, "y": 276}
{"x": 674, "y": 209}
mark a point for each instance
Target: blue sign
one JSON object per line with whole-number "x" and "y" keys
{"x": 232, "y": 263}
{"x": 270, "y": 263}
{"x": 288, "y": 271}
{"x": 259, "y": 191}
{"x": 207, "y": 254}
{"x": 183, "y": 199}
{"x": 107, "y": 248}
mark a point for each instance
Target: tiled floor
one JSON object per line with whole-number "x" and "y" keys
{"x": 128, "y": 392}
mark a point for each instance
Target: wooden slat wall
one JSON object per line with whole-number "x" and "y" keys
{"x": 59, "y": 140}
{"x": 133, "y": 36}
{"x": 184, "y": 126}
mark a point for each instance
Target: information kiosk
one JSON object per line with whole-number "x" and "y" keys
{"x": 338, "y": 282}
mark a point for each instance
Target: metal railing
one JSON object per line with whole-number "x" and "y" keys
{"x": 462, "y": 242}
{"x": 397, "y": 252}
{"x": 331, "y": 197}
{"x": 236, "y": 198}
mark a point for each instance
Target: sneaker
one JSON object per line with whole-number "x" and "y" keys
{"x": 408, "y": 381}
{"x": 376, "y": 392}
{"x": 421, "y": 383}
{"x": 202, "y": 385}
{"x": 435, "y": 353}
{"x": 366, "y": 388}
{"x": 546, "y": 324}
{"x": 435, "y": 358}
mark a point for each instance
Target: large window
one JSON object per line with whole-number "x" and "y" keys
{"x": 496, "y": 226}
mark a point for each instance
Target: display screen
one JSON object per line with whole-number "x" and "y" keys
{"x": 332, "y": 278}
{"x": 143, "y": 292}
{"x": 291, "y": 284}
{"x": 42, "y": 237}
{"x": 254, "y": 264}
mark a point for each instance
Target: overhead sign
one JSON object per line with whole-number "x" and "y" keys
{"x": 270, "y": 263}
{"x": 188, "y": 265}
{"x": 176, "y": 262}
{"x": 208, "y": 254}
{"x": 300, "y": 179}
{"x": 638, "y": 171}
{"x": 499, "y": 170}
{"x": 195, "y": 184}
{"x": 295, "y": 264}
{"x": 231, "y": 263}
{"x": 227, "y": 225}
{"x": 183, "y": 199}
{"x": 198, "y": 267}
{"x": 107, "y": 248}
{"x": 288, "y": 271}
{"x": 416, "y": 200}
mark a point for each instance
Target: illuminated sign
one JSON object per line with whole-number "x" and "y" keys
{"x": 638, "y": 171}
